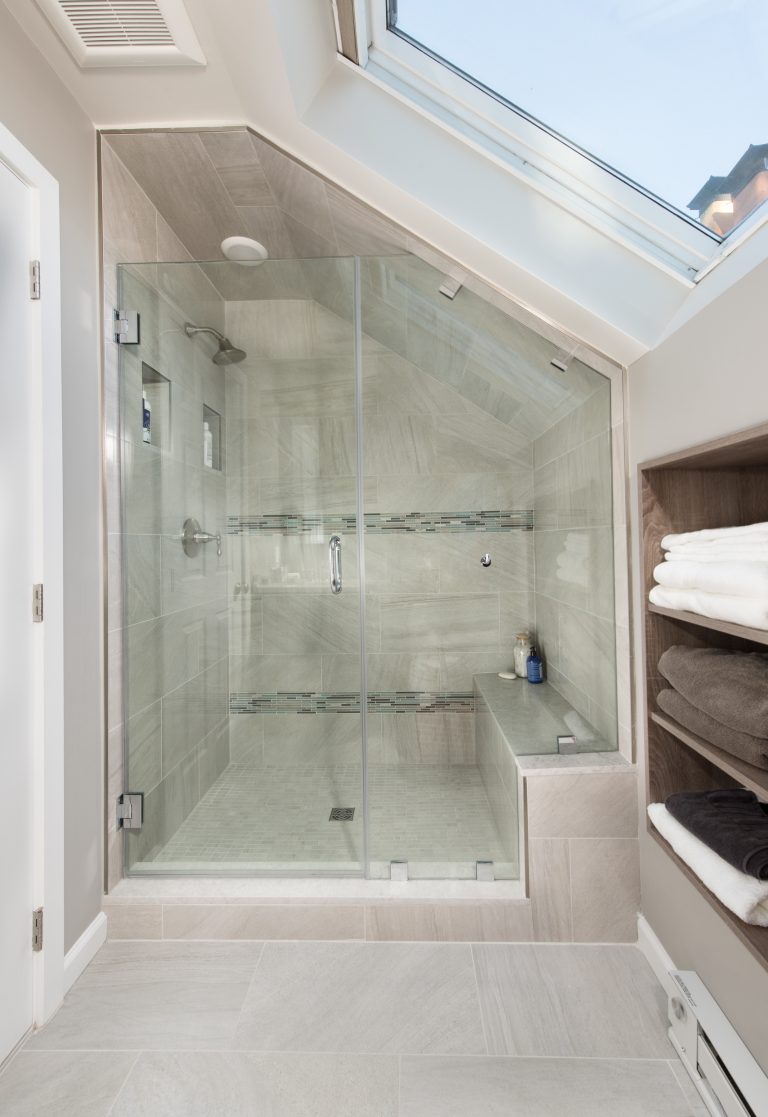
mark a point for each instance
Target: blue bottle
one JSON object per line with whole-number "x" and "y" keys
{"x": 534, "y": 667}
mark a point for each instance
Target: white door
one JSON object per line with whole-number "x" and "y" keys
{"x": 19, "y": 640}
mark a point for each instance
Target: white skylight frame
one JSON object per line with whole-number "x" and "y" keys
{"x": 581, "y": 184}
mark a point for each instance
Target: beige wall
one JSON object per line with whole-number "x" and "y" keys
{"x": 41, "y": 113}
{"x": 706, "y": 380}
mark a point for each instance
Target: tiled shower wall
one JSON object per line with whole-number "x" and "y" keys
{"x": 433, "y": 461}
{"x": 168, "y": 613}
{"x": 574, "y": 557}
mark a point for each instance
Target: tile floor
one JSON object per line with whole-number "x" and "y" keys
{"x": 433, "y": 814}
{"x": 304, "y": 1029}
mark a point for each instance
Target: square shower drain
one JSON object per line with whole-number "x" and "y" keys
{"x": 342, "y": 814}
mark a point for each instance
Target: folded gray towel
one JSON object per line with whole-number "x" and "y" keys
{"x": 752, "y": 749}
{"x": 731, "y": 687}
{"x": 731, "y": 821}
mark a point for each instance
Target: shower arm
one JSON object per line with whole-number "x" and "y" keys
{"x": 190, "y": 330}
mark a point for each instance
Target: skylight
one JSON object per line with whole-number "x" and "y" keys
{"x": 667, "y": 94}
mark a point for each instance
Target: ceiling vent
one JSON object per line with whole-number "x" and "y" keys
{"x": 125, "y": 32}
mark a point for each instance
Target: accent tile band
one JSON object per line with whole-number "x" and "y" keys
{"x": 384, "y": 523}
{"x": 382, "y": 701}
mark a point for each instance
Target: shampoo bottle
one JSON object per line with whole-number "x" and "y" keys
{"x": 207, "y": 446}
{"x": 535, "y": 667}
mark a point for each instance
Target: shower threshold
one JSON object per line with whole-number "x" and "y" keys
{"x": 236, "y": 889}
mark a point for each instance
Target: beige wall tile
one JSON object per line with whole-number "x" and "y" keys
{"x": 549, "y": 882}
{"x": 582, "y": 806}
{"x": 263, "y": 921}
{"x": 134, "y": 920}
{"x": 500, "y": 921}
{"x": 605, "y": 884}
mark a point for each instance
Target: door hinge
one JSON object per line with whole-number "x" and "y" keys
{"x": 37, "y": 602}
{"x": 37, "y": 930}
{"x": 127, "y": 327}
{"x": 34, "y": 279}
{"x": 130, "y": 810}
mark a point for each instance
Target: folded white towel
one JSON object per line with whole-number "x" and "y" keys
{"x": 742, "y": 894}
{"x": 755, "y": 552}
{"x": 742, "y": 579}
{"x": 749, "y": 611}
{"x": 747, "y": 533}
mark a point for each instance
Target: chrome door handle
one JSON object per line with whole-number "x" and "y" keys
{"x": 334, "y": 562}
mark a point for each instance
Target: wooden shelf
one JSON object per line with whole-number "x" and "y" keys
{"x": 718, "y": 484}
{"x": 754, "y": 938}
{"x": 756, "y": 779}
{"x": 756, "y": 635}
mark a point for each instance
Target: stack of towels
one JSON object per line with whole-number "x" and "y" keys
{"x": 720, "y": 573}
{"x": 721, "y": 696}
{"x": 723, "y": 838}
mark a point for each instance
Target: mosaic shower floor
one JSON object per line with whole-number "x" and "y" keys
{"x": 437, "y": 817}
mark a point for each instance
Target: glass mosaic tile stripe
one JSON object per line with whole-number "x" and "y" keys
{"x": 384, "y": 523}
{"x": 382, "y": 701}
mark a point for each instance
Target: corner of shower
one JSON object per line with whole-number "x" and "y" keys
{"x": 305, "y": 610}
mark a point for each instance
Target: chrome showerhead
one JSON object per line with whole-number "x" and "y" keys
{"x": 227, "y": 353}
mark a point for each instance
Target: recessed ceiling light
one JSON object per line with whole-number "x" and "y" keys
{"x": 244, "y": 250}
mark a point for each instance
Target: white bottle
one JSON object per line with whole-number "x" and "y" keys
{"x": 207, "y": 446}
{"x": 521, "y": 652}
{"x": 146, "y": 420}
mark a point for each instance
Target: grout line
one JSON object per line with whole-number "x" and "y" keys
{"x": 138, "y": 1051}
{"x": 124, "y": 1083}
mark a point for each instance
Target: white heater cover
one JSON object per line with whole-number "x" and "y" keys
{"x": 125, "y": 32}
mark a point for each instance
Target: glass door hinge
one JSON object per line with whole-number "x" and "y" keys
{"x": 130, "y": 810}
{"x": 127, "y": 327}
{"x": 37, "y": 930}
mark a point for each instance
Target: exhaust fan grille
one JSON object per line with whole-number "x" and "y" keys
{"x": 122, "y": 23}
{"x": 125, "y": 32}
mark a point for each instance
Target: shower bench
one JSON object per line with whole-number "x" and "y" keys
{"x": 569, "y": 818}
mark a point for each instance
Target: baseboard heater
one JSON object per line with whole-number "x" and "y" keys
{"x": 726, "y": 1075}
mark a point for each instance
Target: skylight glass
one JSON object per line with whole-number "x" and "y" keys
{"x": 669, "y": 94}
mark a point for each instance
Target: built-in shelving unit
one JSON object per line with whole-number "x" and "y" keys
{"x": 718, "y": 484}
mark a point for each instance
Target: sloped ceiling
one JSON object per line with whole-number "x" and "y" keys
{"x": 272, "y": 64}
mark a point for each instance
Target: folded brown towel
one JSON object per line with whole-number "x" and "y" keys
{"x": 752, "y": 749}
{"x": 731, "y": 821}
{"x": 732, "y": 687}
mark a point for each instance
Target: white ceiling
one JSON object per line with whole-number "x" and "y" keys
{"x": 272, "y": 64}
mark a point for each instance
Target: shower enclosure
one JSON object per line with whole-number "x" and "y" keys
{"x": 302, "y": 531}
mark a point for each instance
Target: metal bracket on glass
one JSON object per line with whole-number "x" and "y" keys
{"x": 127, "y": 327}
{"x": 193, "y": 537}
{"x": 334, "y": 562}
{"x": 130, "y": 810}
{"x": 484, "y": 870}
{"x": 398, "y": 870}
{"x": 566, "y": 743}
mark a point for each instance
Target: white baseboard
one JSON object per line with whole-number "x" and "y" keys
{"x": 77, "y": 958}
{"x": 653, "y": 949}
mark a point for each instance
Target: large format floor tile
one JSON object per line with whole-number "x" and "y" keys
{"x": 374, "y": 997}
{"x": 458, "y": 1087}
{"x": 238, "y": 1084}
{"x": 599, "y": 1001}
{"x": 155, "y": 995}
{"x": 60, "y": 1084}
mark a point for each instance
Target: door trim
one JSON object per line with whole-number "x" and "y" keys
{"x": 47, "y": 567}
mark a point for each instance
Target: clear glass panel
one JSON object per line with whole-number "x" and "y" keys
{"x": 470, "y": 436}
{"x": 670, "y": 95}
{"x": 242, "y": 669}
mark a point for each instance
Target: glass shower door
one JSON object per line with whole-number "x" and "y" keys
{"x": 242, "y": 667}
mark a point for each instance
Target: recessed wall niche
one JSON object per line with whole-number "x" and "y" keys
{"x": 156, "y": 390}
{"x": 212, "y": 456}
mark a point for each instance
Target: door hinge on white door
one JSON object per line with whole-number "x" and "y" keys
{"x": 37, "y": 930}
{"x": 34, "y": 279}
{"x": 37, "y": 602}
